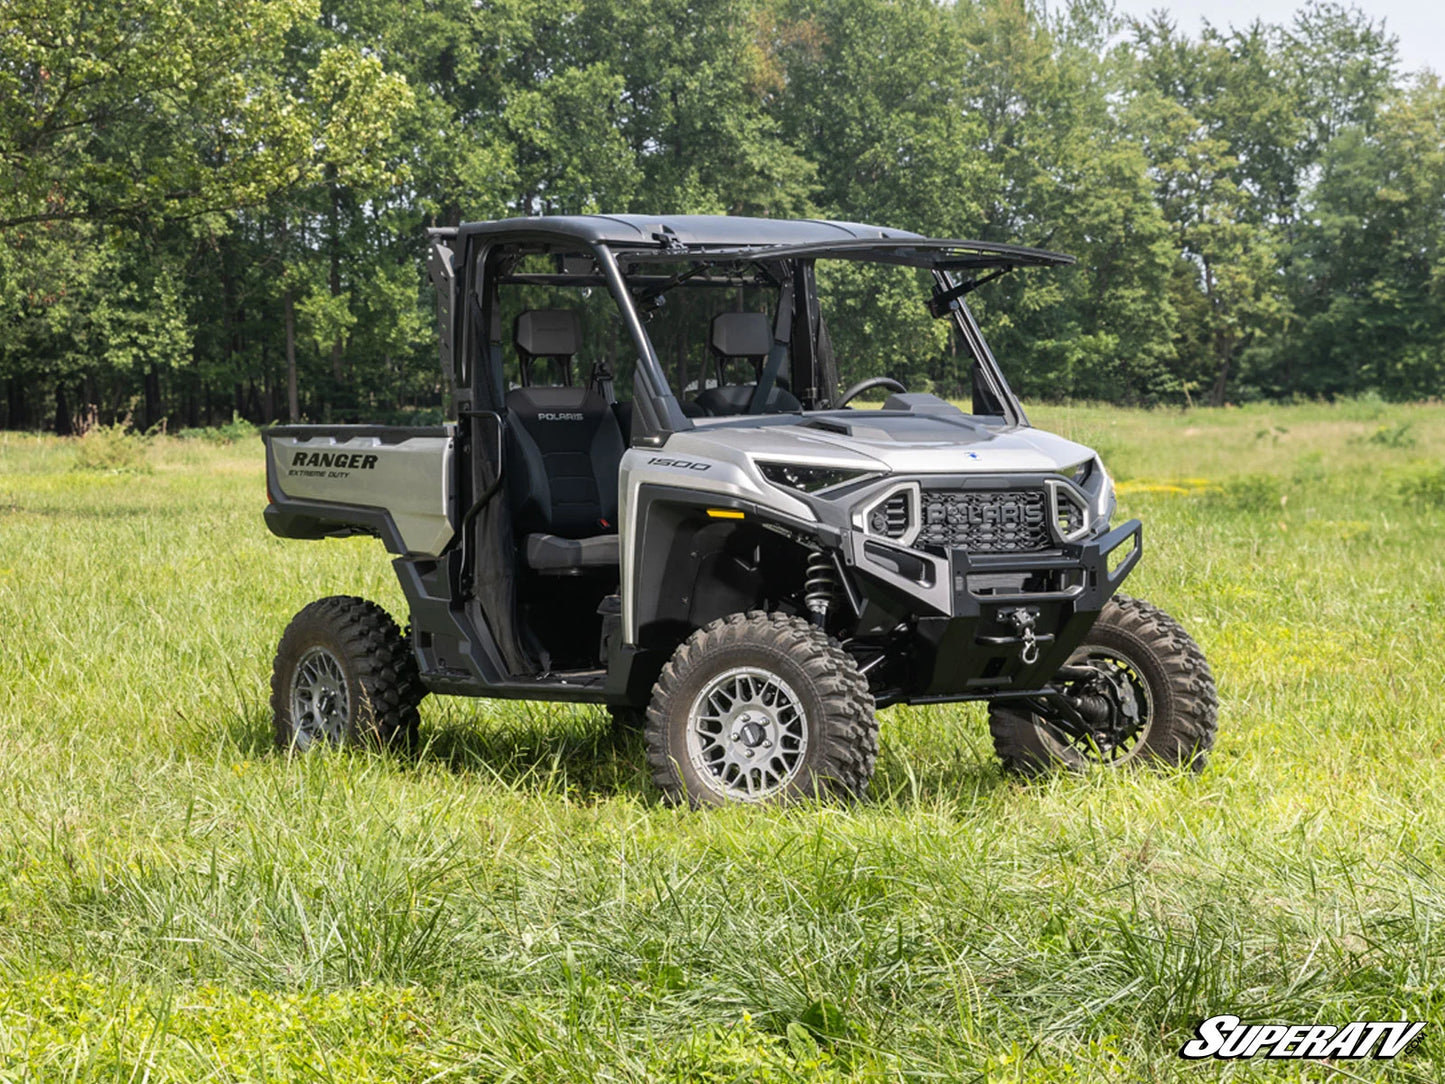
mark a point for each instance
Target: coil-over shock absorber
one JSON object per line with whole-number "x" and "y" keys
{"x": 820, "y": 585}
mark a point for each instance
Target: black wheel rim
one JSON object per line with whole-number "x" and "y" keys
{"x": 1118, "y": 702}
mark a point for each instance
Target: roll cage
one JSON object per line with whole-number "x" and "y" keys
{"x": 639, "y": 260}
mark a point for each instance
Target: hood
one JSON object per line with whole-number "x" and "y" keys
{"x": 899, "y": 442}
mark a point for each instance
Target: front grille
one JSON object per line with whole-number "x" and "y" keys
{"x": 986, "y": 521}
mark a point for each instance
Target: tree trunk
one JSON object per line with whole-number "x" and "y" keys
{"x": 334, "y": 278}
{"x": 118, "y": 401}
{"x": 1221, "y": 382}
{"x": 1221, "y": 342}
{"x": 15, "y": 412}
{"x": 293, "y": 399}
{"x": 1224, "y": 354}
{"x": 230, "y": 333}
{"x": 340, "y": 399}
{"x": 268, "y": 397}
{"x": 64, "y": 424}
{"x": 193, "y": 388}
{"x": 152, "y": 385}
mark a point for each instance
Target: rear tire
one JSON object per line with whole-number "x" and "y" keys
{"x": 761, "y": 707}
{"x": 344, "y": 674}
{"x": 1159, "y": 665}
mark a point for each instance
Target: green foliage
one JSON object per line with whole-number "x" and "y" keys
{"x": 1394, "y": 436}
{"x": 177, "y": 110}
{"x": 366, "y": 1032}
{"x": 204, "y": 199}
{"x": 115, "y": 448}
{"x": 1260, "y": 494}
{"x": 237, "y": 429}
{"x": 827, "y": 1022}
{"x": 1425, "y": 487}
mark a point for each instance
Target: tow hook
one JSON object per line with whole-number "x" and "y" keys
{"x": 1022, "y": 619}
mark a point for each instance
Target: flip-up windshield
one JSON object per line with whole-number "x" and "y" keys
{"x": 721, "y": 327}
{"x": 781, "y": 328}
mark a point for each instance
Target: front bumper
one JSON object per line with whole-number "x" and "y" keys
{"x": 966, "y": 641}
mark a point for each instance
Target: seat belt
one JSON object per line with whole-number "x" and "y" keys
{"x": 782, "y": 333}
{"x": 601, "y": 379}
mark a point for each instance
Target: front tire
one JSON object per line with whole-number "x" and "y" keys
{"x": 1160, "y": 686}
{"x": 760, "y": 707}
{"x": 344, "y": 674}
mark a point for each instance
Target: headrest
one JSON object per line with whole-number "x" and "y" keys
{"x": 556, "y": 404}
{"x": 742, "y": 334}
{"x": 548, "y": 333}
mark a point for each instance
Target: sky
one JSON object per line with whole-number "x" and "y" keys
{"x": 1419, "y": 24}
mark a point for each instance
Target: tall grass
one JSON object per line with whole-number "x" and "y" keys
{"x": 512, "y": 903}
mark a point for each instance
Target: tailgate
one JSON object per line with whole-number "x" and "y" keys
{"x": 391, "y": 481}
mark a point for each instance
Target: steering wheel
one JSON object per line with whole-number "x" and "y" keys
{"x": 868, "y": 385}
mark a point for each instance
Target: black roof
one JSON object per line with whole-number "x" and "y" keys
{"x": 703, "y": 231}
{"x": 942, "y": 254}
{"x": 736, "y": 237}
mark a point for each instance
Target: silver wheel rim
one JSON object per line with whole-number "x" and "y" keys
{"x": 747, "y": 734}
{"x": 319, "y": 700}
{"x": 1126, "y": 676}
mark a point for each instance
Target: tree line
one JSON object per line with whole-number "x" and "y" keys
{"x": 218, "y": 207}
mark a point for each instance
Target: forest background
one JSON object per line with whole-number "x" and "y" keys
{"x": 199, "y": 196}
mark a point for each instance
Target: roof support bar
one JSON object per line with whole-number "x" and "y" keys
{"x": 656, "y": 412}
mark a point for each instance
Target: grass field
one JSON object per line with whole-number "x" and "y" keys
{"x": 177, "y": 904}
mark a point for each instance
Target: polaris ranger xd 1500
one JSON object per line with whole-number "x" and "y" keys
{"x": 655, "y": 497}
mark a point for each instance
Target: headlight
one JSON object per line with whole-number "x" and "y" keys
{"x": 809, "y": 479}
{"x": 1081, "y": 473}
{"x": 1091, "y": 477}
{"x": 1093, "y": 484}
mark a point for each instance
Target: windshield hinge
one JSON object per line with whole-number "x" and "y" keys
{"x": 669, "y": 240}
{"x": 943, "y": 302}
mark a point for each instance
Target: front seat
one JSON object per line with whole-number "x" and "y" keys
{"x": 746, "y": 336}
{"x": 564, "y": 448}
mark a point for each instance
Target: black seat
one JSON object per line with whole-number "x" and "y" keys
{"x": 746, "y": 336}
{"x": 554, "y": 554}
{"x": 564, "y": 447}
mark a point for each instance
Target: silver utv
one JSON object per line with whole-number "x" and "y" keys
{"x": 654, "y": 496}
